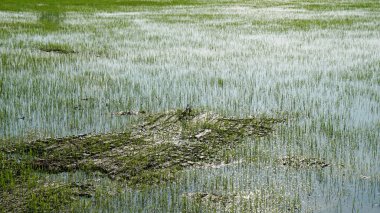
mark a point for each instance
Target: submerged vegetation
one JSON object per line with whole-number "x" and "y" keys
{"x": 85, "y": 89}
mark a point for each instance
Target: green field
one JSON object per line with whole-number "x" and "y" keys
{"x": 284, "y": 96}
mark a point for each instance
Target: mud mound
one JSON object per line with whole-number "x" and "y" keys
{"x": 303, "y": 162}
{"x": 152, "y": 151}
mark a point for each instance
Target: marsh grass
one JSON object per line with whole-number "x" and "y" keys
{"x": 345, "y": 5}
{"x": 83, "y": 5}
{"x": 22, "y": 189}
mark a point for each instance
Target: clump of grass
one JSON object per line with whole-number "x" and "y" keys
{"x": 57, "y": 48}
{"x": 217, "y": 82}
{"x": 49, "y": 197}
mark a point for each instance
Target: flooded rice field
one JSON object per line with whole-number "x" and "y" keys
{"x": 190, "y": 106}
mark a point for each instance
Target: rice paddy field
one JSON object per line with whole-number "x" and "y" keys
{"x": 287, "y": 93}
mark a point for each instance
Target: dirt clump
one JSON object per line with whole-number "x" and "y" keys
{"x": 303, "y": 162}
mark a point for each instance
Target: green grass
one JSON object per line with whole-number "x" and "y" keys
{"x": 371, "y": 5}
{"x": 56, "y": 48}
{"x": 84, "y": 5}
{"x": 22, "y": 190}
